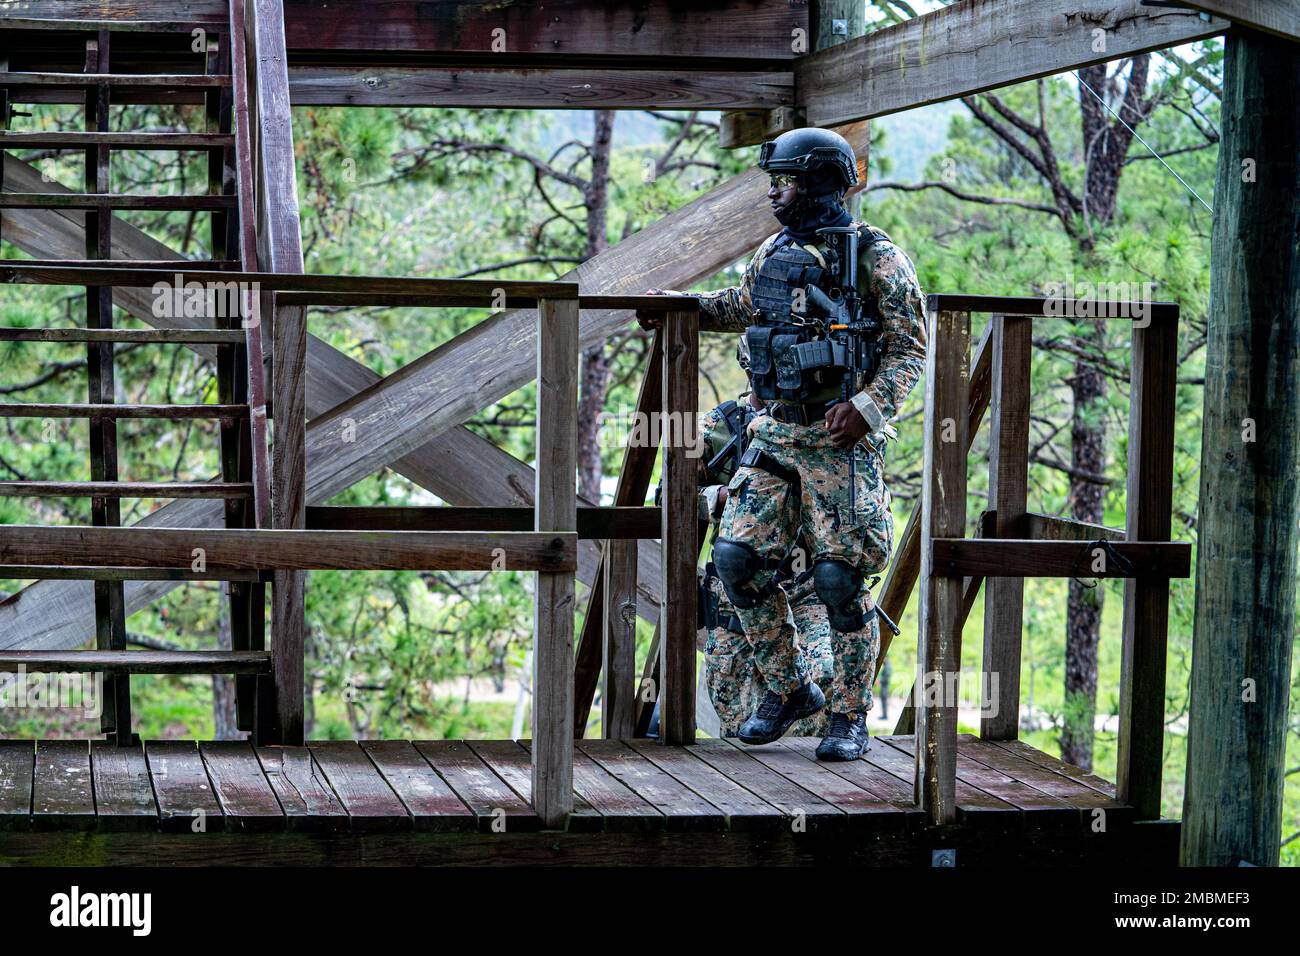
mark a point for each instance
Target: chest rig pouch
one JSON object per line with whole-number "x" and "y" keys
{"x": 788, "y": 362}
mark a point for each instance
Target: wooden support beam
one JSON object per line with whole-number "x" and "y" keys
{"x": 582, "y": 30}
{"x": 943, "y": 514}
{"x": 1043, "y": 527}
{"x": 1004, "y": 597}
{"x": 829, "y": 22}
{"x": 681, "y": 550}
{"x": 618, "y": 686}
{"x": 594, "y": 523}
{"x": 1154, "y": 558}
{"x": 573, "y": 28}
{"x": 977, "y": 45}
{"x": 489, "y": 87}
{"x": 1278, "y": 17}
{"x": 1249, "y": 506}
{"x": 1149, "y": 506}
{"x": 749, "y": 127}
{"x": 554, "y": 601}
{"x": 279, "y": 250}
{"x": 288, "y": 550}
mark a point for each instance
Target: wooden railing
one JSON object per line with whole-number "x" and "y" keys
{"x": 542, "y": 539}
{"x": 1025, "y": 544}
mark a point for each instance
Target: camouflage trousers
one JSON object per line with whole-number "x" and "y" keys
{"x": 735, "y": 684}
{"x": 769, "y": 514}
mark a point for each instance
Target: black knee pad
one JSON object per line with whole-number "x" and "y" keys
{"x": 737, "y": 565}
{"x": 840, "y": 587}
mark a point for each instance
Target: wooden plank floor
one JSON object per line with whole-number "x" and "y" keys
{"x": 636, "y": 786}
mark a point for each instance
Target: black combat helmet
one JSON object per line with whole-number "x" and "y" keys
{"x": 812, "y": 151}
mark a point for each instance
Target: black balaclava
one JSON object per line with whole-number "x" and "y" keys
{"x": 820, "y": 203}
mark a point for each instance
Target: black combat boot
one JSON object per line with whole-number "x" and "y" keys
{"x": 773, "y": 718}
{"x": 847, "y": 738}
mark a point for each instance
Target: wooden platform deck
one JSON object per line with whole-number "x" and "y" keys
{"x": 467, "y": 802}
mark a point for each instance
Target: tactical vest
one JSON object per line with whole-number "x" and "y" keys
{"x": 789, "y": 359}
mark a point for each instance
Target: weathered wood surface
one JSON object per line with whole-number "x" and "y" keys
{"x": 943, "y": 514}
{"x": 494, "y": 87}
{"x": 1045, "y": 307}
{"x": 459, "y": 466}
{"x": 248, "y": 804}
{"x": 1008, "y": 487}
{"x": 680, "y": 538}
{"x": 303, "y": 550}
{"x": 1249, "y": 504}
{"x": 594, "y": 522}
{"x": 1150, "y": 558}
{"x": 124, "y": 797}
{"x": 1043, "y": 527}
{"x": 479, "y": 790}
{"x": 554, "y": 601}
{"x": 1149, "y": 507}
{"x": 618, "y": 669}
{"x": 124, "y": 489}
{"x": 1279, "y": 17}
{"x": 977, "y": 45}
{"x": 652, "y": 29}
{"x": 372, "y": 805}
{"x": 135, "y": 662}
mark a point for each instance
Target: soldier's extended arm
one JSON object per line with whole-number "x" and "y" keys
{"x": 730, "y": 309}
{"x": 902, "y": 315}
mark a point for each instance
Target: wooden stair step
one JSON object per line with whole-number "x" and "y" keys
{"x": 51, "y": 572}
{"x": 33, "y": 410}
{"x": 177, "y": 265}
{"x": 53, "y": 139}
{"x": 114, "y": 201}
{"x": 137, "y": 662}
{"x": 147, "y": 336}
{"x": 164, "y": 81}
{"x": 125, "y": 489}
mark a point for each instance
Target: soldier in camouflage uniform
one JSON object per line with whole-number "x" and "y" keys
{"x": 734, "y": 683}
{"x": 796, "y": 475}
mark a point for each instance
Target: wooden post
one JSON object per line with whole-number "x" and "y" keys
{"x": 1249, "y": 498}
{"x": 943, "y": 515}
{"x": 1146, "y": 600}
{"x": 554, "y": 603}
{"x": 618, "y": 690}
{"x": 279, "y": 249}
{"x": 1004, "y": 598}
{"x": 681, "y": 551}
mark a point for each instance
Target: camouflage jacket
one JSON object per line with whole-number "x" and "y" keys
{"x": 884, "y": 273}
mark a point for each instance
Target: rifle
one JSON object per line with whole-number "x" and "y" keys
{"x": 851, "y": 329}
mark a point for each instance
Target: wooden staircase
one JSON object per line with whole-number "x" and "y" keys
{"x": 215, "y": 71}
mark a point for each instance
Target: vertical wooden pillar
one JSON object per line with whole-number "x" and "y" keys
{"x": 1249, "y": 509}
{"x": 279, "y": 249}
{"x": 289, "y": 511}
{"x": 618, "y": 707}
{"x": 1146, "y": 599}
{"x": 681, "y": 552}
{"x": 943, "y": 515}
{"x": 1012, "y": 342}
{"x": 554, "y": 603}
{"x": 110, "y": 598}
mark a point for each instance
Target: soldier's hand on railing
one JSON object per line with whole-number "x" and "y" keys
{"x": 846, "y": 424}
{"x": 650, "y": 321}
